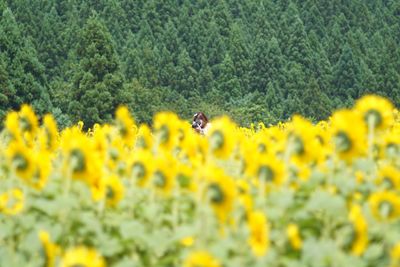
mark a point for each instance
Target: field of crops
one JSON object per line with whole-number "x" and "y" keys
{"x": 288, "y": 195}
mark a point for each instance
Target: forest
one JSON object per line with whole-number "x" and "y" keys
{"x": 256, "y": 61}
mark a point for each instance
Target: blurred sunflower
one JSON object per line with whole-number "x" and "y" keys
{"x": 389, "y": 177}
{"x": 220, "y": 192}
{"x": 12, "y": 125}
{"x": 51, "y": 250}
{"x": 140, "y": 166}
{"x": 12, "y": 202}
{"x": 21, "y": 158}
{"x": 28, "y": 122}
{"x": 49, "y": 134}
{"x": 114, "y": 190}
{"x": 259, "y": 233}
{"x": 201, "y": 259}
{"x": 348, "y": 135}
{"x": 82, "y": 257}
{"x": 42, "y": 170}
{"x": 144, "y": 138}
{"x": 302, "y": 141}
{"x": 222, "y": 138}
{"x": 395, "y": 255}
{"x": 184, "y": 177}
{"x": 359, "y": 241}
{"x": 376, "y": 111}
{"x": 245, "y": 198}
{"x": 164, "y": 174}
{"x": 126, "y": 125}
{"x": 385, "y": 205}
{"x": 165, "y": 129}
{"x": 294, "y": 236}
{"x": 268, "y": 169}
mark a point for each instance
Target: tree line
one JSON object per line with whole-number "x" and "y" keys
{"x": 261, "y": 60}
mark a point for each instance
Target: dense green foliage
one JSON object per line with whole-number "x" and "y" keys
{"x": 255, "y": 60}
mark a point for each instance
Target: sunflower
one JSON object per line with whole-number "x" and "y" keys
{"x": 389, "y": 177}
{"x": 114, "y": 190}
{"x": 267, "y": 169}
{"x": 294, "y": 236}
{"x": 259, "y": 233}
{"x": 395, "y": 256}
{"x": 126, "y": 125}
{"x": 49, "y": 133}
{"x": 80, "y": 157}
{"x": 360, "y": 240}
{"x": 12, "y": 125}
{"x": 221, "y": 137}
{"x": 12, "y": 202}
{"x": 302, "y": 141}
{"x": 376, "y": 111}
{"x": 28, "y": 122}
{"x": 201, "y": 259}
{"x": 42, "y": 170}
{"x": 245, "y": 199}
{"x": 184, "y": 177}
{"x": 140, "y": 166}
{"x": 144, "y": 138}
{"x": 51, "y": 250}
{"x": 165, "y": 129}
{"x": 21, "y": 159}
{"x": 82, "y": 257}
{"x": 220, "y": 192}
{"x": 385, "y": 205}
{"x": 348, "y": 135}
{"x": 164, "y": 173}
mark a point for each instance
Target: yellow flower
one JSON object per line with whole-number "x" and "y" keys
{"x": 360, "y": 240}
{"x": 114, "y": 190}
{"x": 164, "y": 173}
{"x": 245, "y": 198}
{"x": 220, "y": 191}
{"x": 184, "y": 176}
{"x": 12, "y": 202}
{"x": 348, "y": 135}
{"x": 375, "y": 111}
{"x": 28, "y": 122}
{"x": 385, "y": 205}
{"x": 80, "y": 157}
{"x": 201, "y": 259}
{"x": 126, "y": 125}
{"x": 42, "y": 170}
{"x": 82, "y": 257}
{"x": 140, "y": 166}
{"x": 165, "y": 129}
{"x": 268, "y": 169}
{"x": 49, "y": 133}
{"x": 395, "y": 256}
{"x": 21, "y": 159}
{"x": 221, "y": 137}
{"x": 51, "y": 249}
{"x": 293, "y": 234}
{"x": 187, "y": 241}
{"x": 259, "y": 233}
{"x": 389, "y": 177}
{"x": 302, "y": 140}
{"x": 12, "y": 125}
{"x": 144, "y": 139}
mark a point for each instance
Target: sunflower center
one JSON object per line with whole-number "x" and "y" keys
{"x": 298, "y": 146}
{"x": 21, "y": 163}
{"x": 262, "y": 148}
{"x": 373, "y": 117}
{"x": 78, "y": 160}
{"x": 388, "y": 182}
{"x": 215, "y": 193}
{"x": 25, "y": 124}
{"x": 217, "y": 140}
{"x": 164, "y": 134}
{"x": 138, "y": 170}
{"x": 159, "y": 179}
{"x": 123, "y": 131}
{"x": 266, "y": 173}
{"x": 110, "y": 192}
{"x": 183, "y": 180}
{"x": 392, "y": 149}
{"x": 141, "y": 142}
{"x": 114, "y": 154}
{"x": 385, "y": 209}
{"x": 342, "y": 142}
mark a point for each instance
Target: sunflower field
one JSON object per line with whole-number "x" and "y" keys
{"x": 287, "y": 195}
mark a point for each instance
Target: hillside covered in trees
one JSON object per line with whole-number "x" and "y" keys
{"x": 257, "y": 60}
